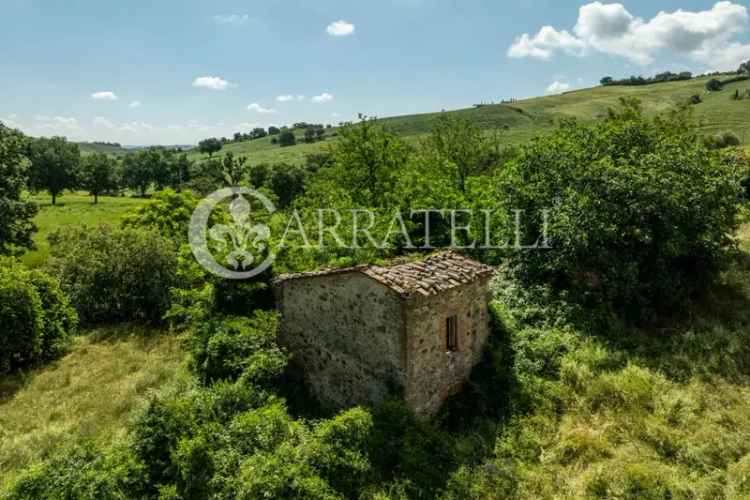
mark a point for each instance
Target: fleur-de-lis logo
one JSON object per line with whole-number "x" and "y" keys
{"x": 243, "y": 241}
{"x": 243, "y": 235}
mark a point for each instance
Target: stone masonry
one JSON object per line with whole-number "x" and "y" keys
{"x": 412, "y": 330}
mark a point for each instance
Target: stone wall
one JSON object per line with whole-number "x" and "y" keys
{"x": 346, "y": 332}
{"x": 433, "y": 373}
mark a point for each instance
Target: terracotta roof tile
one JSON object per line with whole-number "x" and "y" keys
{"x": 430, "y": 276}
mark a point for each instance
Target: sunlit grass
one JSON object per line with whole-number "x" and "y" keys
{"x": 73, "y": 209}
{"x": 89, "y": 394}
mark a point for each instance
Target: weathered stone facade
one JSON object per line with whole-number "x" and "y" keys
{"x": 367, "y": 332}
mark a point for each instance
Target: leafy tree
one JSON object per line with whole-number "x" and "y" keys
{"x": 115, "y": 274}
{"x": 233, "y": 169}
{"x": 143, "y": 168}
{"x": 309, "y": 135}
{"x": 274, "y": 130}
{"x": 366, "y": 160}
{"x": 37, "y": 319}
{"x": 259, "y": 174}
{"x": 460, "y": 148}
{"x": 180, "y": 170}
{"x": 630, "y": 224}
{"x": 98, "y": 174}
{"x": 210, "y": 146}
{"x": 713, "y": 85}
{"x": 168, "y": 212}
{"x": 287, "y": 182}
{"x": 287, "y": 138}
{"x": 54, "y": 163}
{"x": 16, "y": 212}
{"x": 607, "y": 80}
{"x": 258, "y": 133}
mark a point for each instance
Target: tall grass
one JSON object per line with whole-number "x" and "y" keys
{"x": 87, "y": 395}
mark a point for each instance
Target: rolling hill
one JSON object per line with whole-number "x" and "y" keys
{"x": 522, "y": 120}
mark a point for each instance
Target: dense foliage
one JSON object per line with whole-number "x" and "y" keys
{"x": 113, "y": 274}
{"x": 54, "y": 165}
{"x": 639, "y": 212}
{"x": 37, "y": 320}
{"x": 16, "y": 213}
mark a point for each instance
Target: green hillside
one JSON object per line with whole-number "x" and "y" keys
{"x": 521, "y": 120}
{"x": 98, "y": 147}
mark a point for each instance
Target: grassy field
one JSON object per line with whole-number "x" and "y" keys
{"x": 73, "y": 208}
{"x": 522, "y": 120}
{"x": 87, "y": 395}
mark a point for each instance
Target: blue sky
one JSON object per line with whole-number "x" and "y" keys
{"x": 168, "y": 71}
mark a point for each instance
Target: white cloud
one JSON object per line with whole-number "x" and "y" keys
{"x": 290, "y": 97}
{"x": 104, "y": 96}
{"x": 55, "y": 125}
{"x": 544, "y": 44}
{"x": 212, "y": 83}
{"x": 558, "y": 87}
{"x": 233, "y": 19}
{"x": 706, "y": 36}
{"x": 340, "y": 28}
{"x": 260, "y": 109}
{"x": 324, "y": 97}
{"x": 103, "y": 122}
{"x": 135, "y": 104}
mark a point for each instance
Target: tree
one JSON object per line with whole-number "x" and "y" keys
{"x": 54, "y": 163}
{"x": 98, "y": 174}
{"x": 137, "y": 172}
{"x": 258, "y": 133}
{"x": 713, "y": 85}
{"x": 233, "y": 169}
{"x": 287, "y": 182}
{"x": 460, "y": 148}
{"x": 607, "y": 80}
{"x": 630, "y": 223}
{"x": 16, "y": 212}
{"x": 274, "y": 130}
{"x": 366, "y": 160}
{"x": 309, "y": 135}
{"x": 210, "y": 146}
{"x": 287, "y": 138}
{"x": 744, "y": 68}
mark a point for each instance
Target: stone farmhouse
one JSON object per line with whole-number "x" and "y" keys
{"x": 413, "y": 330}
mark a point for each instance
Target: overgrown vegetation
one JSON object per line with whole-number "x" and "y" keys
{"x": 618, "y": 368}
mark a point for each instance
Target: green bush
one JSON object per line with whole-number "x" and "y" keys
{"x": 167, "y": 211}
{"x": 225, "y": 348}
{"x": 37, "y": 320}
{"x": 81, "y": 472}
{"x": 721, "y": 140}
{"x": 638, "y": 212}
{"x": 113, "y": 274}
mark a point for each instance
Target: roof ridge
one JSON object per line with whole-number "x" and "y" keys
{"x": 423, "y": 276}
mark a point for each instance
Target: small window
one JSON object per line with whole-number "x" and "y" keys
{"x": 451, "y": 333}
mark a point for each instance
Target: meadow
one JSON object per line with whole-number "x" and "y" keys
{"x": 90, "y": 394}
{"x": 74, "y": 208}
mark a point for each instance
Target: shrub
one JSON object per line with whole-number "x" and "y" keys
{"x": 167, "y": 212}
{"x": 225, "y": 348}
{"x": 80, "y": 472}
{"x": 723, "y": 140}
{"x": 115, "y": 274}
{"x": 638, "y": 212}
{"x": 695, "y": 99}
{"x": 37, "y": 320}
